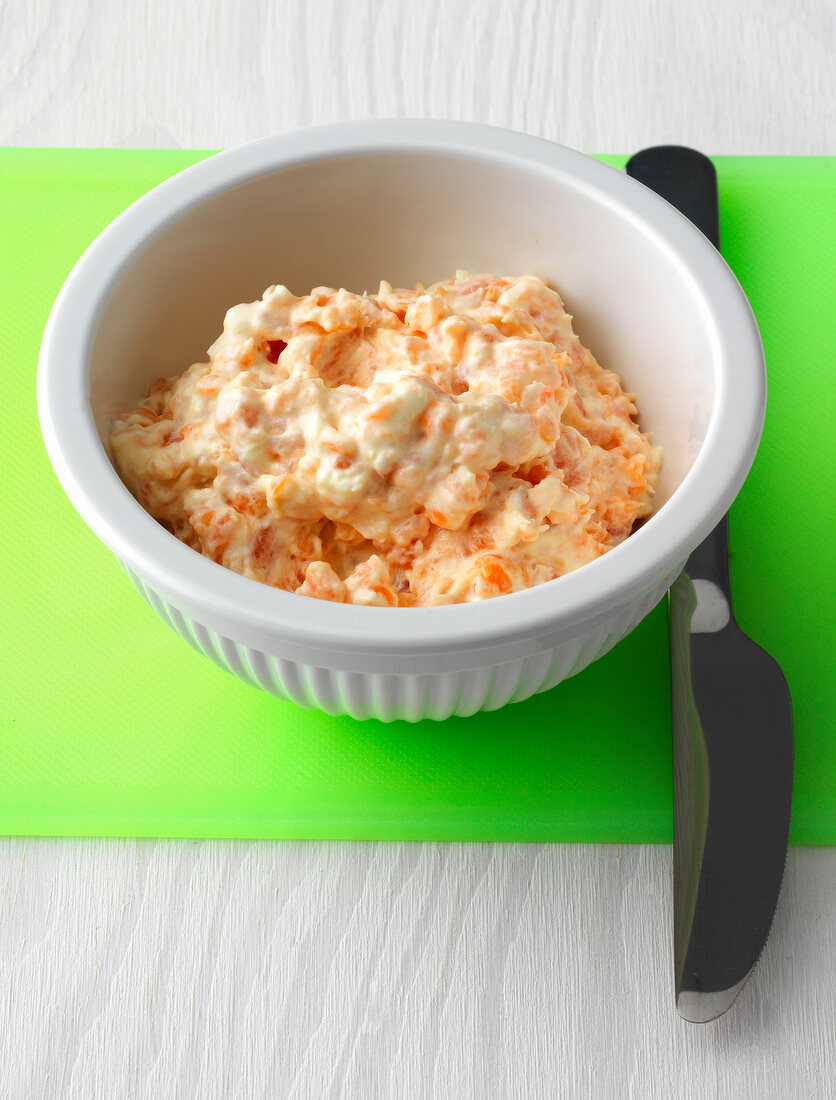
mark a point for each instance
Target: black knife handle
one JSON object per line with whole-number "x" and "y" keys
{"x": 688, "y": 180}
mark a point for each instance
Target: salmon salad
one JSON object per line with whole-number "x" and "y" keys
{"x": 437, "y": 445}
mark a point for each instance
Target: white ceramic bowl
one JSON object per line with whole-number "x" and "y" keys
{"x": 347, "y": 205}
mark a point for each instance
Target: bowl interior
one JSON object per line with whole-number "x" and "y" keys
{"x": 408, "y": 217}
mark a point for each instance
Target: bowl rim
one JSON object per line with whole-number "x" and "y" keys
{"x": 622, "y": 574}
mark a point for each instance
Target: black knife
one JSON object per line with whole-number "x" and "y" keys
{"x": 732, "y": 725}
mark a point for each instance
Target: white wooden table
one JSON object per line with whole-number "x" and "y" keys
{"x": 207, "y": 969}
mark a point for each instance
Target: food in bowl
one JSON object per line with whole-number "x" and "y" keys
{"x": 415, "y": 447}
{"x": 651, "y": 296}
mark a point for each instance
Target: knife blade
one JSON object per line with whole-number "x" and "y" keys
{"x": 732, "y": 725}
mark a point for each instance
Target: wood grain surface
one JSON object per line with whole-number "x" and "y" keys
{"x": 172, "y": 969}
{"x": 208, "y": 969}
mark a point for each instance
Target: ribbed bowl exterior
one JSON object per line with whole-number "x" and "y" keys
{"x": 407, "y": 696}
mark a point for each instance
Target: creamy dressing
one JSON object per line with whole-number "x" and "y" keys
{"x": 413, "y": 447}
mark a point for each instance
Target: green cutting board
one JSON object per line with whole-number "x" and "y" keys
{"x": 111, "y": 725}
